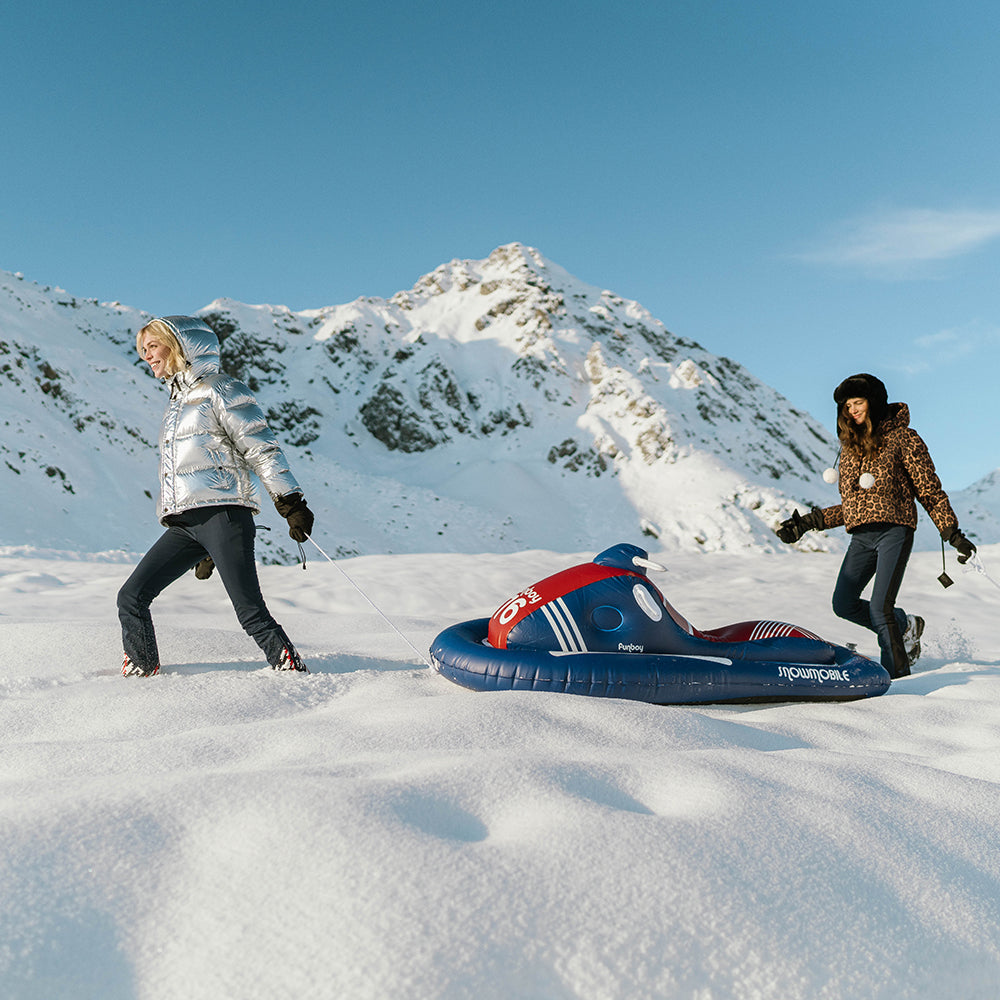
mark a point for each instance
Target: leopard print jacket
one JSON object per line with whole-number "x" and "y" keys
{"x": 903, "y": 472}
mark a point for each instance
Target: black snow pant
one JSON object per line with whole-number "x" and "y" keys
{"x": 881, "y": 551}
{"x": 226, "y": 533}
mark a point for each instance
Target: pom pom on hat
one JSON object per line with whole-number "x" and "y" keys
{"x": 830, "y": 475}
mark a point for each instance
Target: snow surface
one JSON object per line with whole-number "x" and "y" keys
{"x": 371, "y": 830}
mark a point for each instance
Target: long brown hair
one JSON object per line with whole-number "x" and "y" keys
{"x": 862, "y": 438}
{"x": 865, "y": 438}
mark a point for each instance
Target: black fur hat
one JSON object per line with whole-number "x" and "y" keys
{"x": 866, "y": 387}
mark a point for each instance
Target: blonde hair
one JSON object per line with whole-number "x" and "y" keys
{"x": 160, "y": 331}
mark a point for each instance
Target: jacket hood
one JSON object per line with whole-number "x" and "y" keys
{"x": 897, "y": 415}
{"x": 199, "y": 344}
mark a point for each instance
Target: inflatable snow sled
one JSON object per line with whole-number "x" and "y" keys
{"x": 603, "y": 629}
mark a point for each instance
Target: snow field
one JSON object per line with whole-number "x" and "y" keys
{"x": 371, "y": 830}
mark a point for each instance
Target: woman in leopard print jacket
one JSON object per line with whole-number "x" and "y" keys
{"x": 884, "y": 468}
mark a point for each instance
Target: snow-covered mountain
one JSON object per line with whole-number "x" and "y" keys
{"x": 978, "y": 508}
{"x": 497, "y": 405}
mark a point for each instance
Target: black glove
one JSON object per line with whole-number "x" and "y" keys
{"x": 797, "y": 525}
{"x": 299, "y": 517}
{"x": 204, "y": 569}
{"x": 965, "y": 548}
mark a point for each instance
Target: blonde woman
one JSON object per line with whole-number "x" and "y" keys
{"x": 213, "y": 439}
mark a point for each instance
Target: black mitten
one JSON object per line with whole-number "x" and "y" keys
{"x": 965, "y": 548}
{"x": 299, "y": 517}
{"x": 797, "y": 525}
{"x": 204, "y": 569}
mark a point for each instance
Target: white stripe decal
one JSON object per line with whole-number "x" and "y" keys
{"x": 572, "y": 623}
{"x": 768, "y": 630}
{"x": 771, "y": 630}
{"x": 555, "y": 628}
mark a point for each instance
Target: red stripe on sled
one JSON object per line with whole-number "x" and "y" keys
{"x": 532, "y": 598}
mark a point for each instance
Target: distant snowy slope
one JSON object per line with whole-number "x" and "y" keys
{"x": 78, "y": 422}
{"x": 497, "y": 405}
{"x": 978, "y": 508}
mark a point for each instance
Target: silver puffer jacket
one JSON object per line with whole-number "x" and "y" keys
{"x": 214, "y": 434}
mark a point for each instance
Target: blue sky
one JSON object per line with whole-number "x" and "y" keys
{"x": 809, "y": 188}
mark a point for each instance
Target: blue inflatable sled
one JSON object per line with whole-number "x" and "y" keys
{"x": 603, "y": 629}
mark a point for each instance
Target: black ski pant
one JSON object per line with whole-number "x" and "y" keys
{"x": 226, "y": 533}
{"x": 879, "y": 551}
